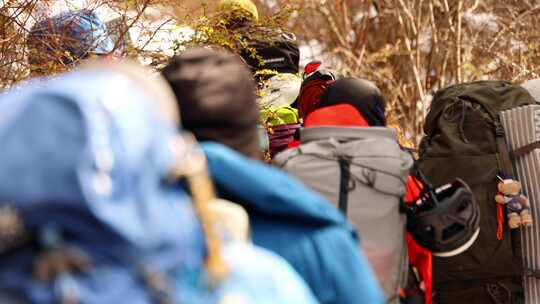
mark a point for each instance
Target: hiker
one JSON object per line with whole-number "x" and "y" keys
{"x": 267, "y": 51}
{"x": 280, "y": 112}
{"x": 464, "y": 138}
{"x": 62, "y": 41}
{"x": 279, "y": 119}
{"x": 92, "y": 210}
{"x": 273, "y": 56}
{"x": 345, "y": 137}
{"x": 286, "y": 217}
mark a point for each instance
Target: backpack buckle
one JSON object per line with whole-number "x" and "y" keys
{"x": 529, "y": 272}
{"x": 499, "y": 130}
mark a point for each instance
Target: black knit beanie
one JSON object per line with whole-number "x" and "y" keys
{"x": 216, "y": 97}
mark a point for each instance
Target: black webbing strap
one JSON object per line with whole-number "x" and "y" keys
{"x": 345, "y": 177}
{"x": 504, "y": 154}
{"x": 535, "y": 273}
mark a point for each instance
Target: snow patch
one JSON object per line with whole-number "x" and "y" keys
{"x": 479, "y": 21}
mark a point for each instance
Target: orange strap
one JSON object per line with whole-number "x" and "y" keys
{"x": 500, "y": 221}
{"x": 402, "y": 293}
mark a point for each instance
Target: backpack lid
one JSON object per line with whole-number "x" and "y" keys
{"x": 279, "y": 116}
{"x": 347, "y": 133}
{"x": 276, "y": 50}
{"x": 373, "y": 148}
{"x": 280, "y": 90}
{"x": 491, "y": 95}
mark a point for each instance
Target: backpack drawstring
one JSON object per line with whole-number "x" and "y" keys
{"x": 462, "y": 121}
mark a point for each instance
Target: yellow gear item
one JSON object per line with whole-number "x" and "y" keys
{"x": 245, "y": 5}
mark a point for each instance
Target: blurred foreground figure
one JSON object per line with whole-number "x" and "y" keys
{"x": 59, "y": 42}
{"x": 215, "y": 94}
{"x": 91, "y": 210}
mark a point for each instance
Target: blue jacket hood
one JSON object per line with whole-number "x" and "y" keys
{"x": 268, "y": 190}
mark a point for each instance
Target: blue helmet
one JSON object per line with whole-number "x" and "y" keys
{"x": 68, "y": 37}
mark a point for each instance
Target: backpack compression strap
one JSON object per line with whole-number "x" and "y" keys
{"x": 345, "y": 177}
{"x": 504, "y": 154}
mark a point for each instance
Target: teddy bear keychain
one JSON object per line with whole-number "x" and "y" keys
{"x": 517, "y": 204}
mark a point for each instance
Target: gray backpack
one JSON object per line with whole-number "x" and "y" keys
{"x": 362, "y": 171}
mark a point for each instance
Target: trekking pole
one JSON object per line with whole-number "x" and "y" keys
{"x": 194, "y": 168}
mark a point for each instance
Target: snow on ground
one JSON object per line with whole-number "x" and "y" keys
{"x": 481, "y": 21}
{"x": 313, "y": 50}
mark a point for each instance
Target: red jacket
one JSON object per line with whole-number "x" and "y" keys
{"x": 419, "y": 257}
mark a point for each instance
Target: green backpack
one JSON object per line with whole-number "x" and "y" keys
{"x": 280, "y": 116}
{"x": 464, "y": 138}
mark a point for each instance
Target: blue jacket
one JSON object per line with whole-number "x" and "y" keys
{"x": 299, "y": 225}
